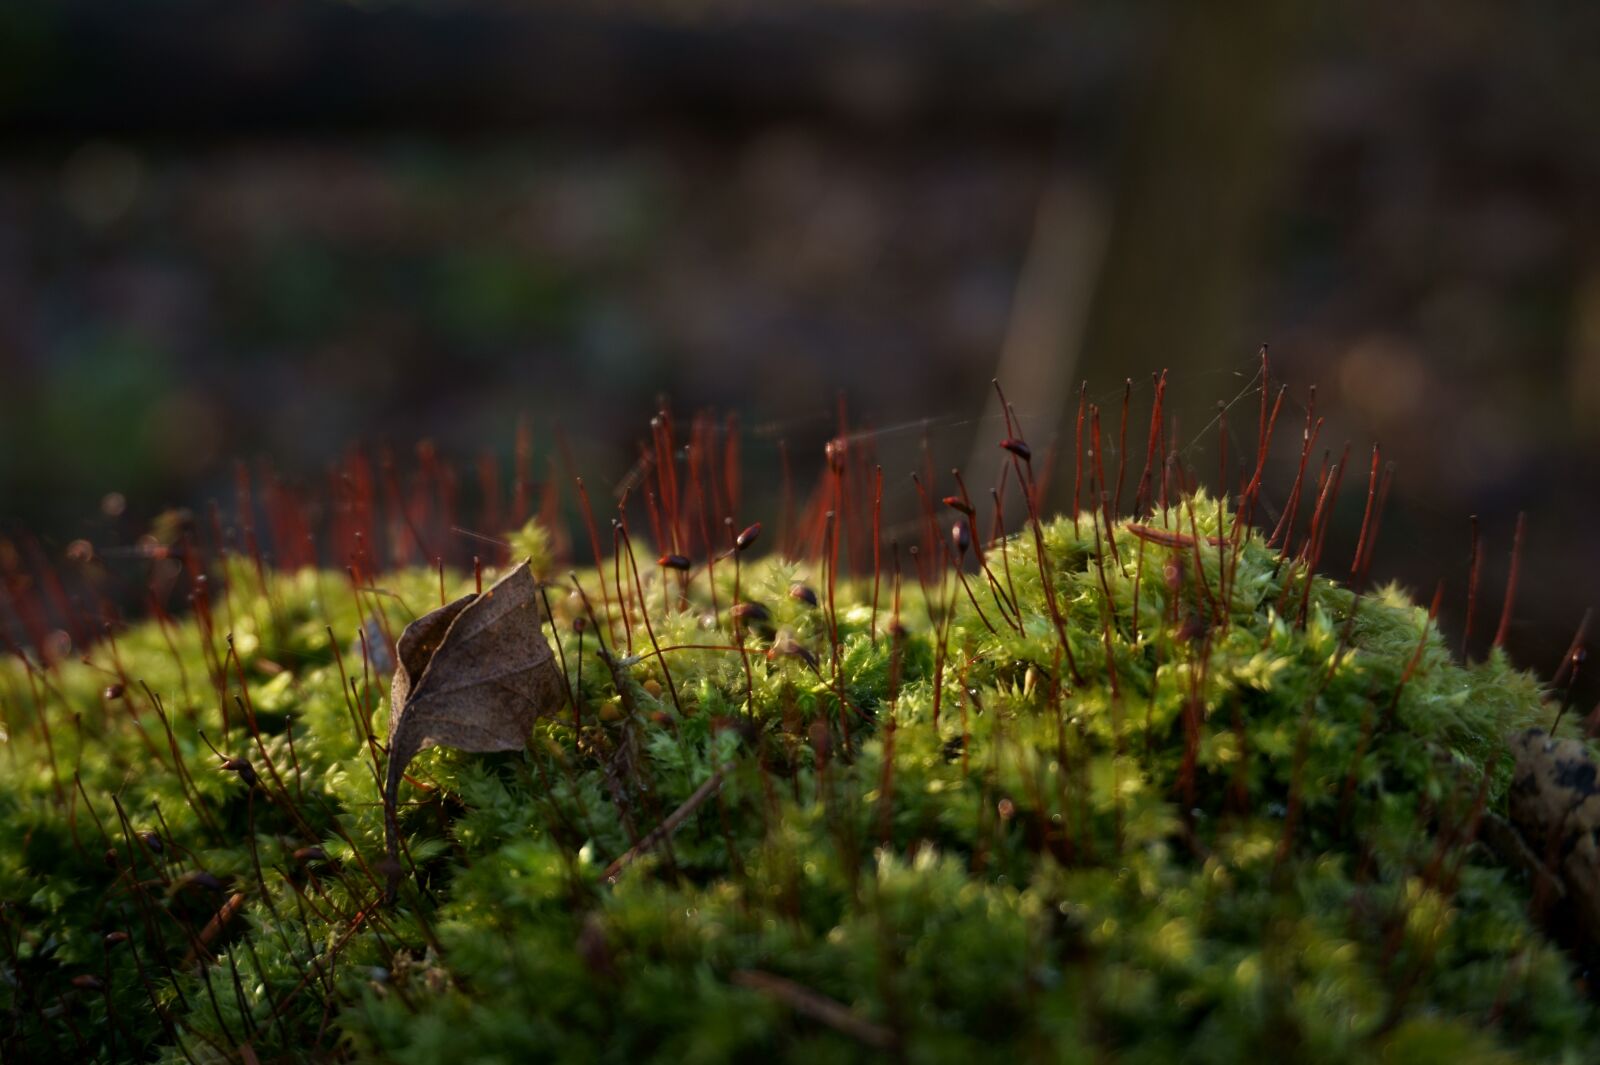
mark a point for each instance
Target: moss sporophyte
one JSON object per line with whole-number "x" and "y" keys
{"x": 1129, "y": 783}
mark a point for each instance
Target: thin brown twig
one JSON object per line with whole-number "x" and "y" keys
{"x": 818, "y": 1007}
{"x": 668, "y": 827}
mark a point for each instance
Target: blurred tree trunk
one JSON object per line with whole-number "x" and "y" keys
{"x": 1584, "y": 371}
{"x": 1197, "y": 182}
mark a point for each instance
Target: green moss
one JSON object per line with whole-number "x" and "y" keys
{"x": 1216, "y": 829}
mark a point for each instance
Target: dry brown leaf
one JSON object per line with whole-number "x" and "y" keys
{"x": 474, "y": 675}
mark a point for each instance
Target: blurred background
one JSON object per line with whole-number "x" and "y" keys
{"x": 271, "y": 230}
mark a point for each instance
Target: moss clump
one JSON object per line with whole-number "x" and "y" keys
{"x": 1212, "y": 825}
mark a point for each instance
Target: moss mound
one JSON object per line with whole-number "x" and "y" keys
{"x": 1233, "y": 814}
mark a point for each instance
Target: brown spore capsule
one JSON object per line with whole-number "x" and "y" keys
{"x": 750, "y": 614}
{"x": 960, "y": 538}
{"x": 786, "y": 646}
{"x": 246, "y": 771}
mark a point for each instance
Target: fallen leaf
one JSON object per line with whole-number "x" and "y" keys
{"x": 474, "y": 675}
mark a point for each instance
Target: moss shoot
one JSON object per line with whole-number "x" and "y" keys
{"x": 1156, "y": 796}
